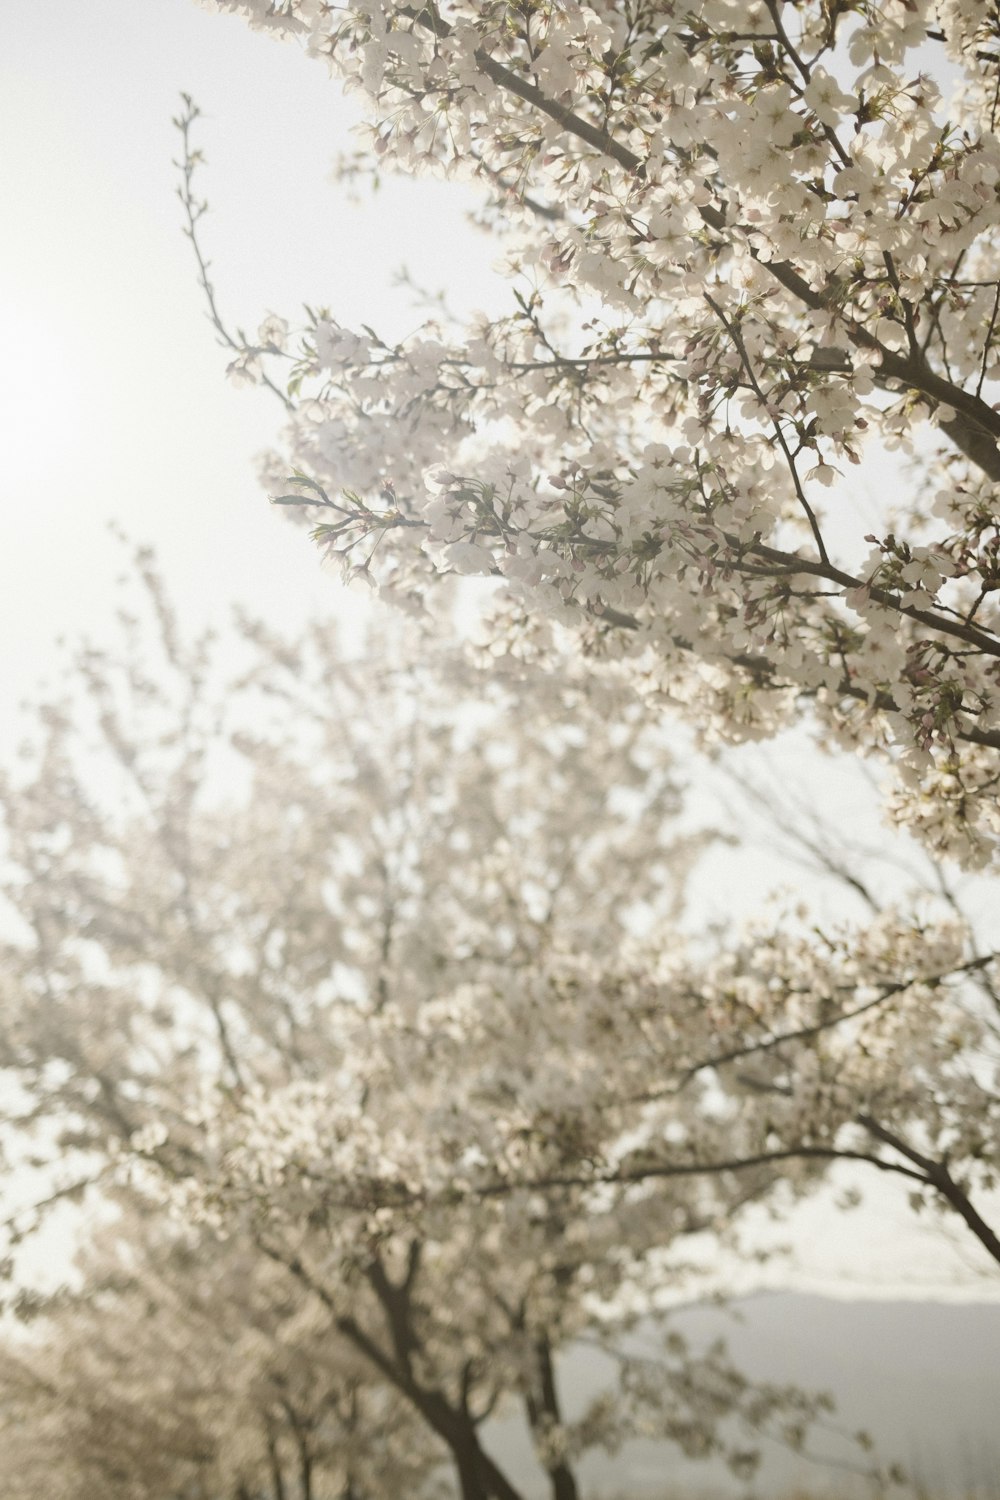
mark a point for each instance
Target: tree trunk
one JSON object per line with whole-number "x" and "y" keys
{"x": 545, "y": 1408}
{"x": 277, "y": 1478}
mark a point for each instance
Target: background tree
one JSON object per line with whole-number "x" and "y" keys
{"x": 750, "y": 244}
{"x": 398, "y": 1001}
{"x": 183, "y": 1367}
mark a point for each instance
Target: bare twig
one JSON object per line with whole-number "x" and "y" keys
{"x": 194, "y": 210}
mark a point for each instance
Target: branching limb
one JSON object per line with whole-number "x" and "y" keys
{"x": 937, "y": 1175}
{"x": 194, "y": 210}
{"x": 741, "y": 349}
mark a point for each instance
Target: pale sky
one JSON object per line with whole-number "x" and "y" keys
{"x": 113, "y": 401}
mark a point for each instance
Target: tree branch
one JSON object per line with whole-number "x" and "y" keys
{"x": 937, "y": 1175}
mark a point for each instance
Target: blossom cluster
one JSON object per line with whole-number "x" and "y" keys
{"x": 751, "y": 246}
{"x": 388, "y": 1017}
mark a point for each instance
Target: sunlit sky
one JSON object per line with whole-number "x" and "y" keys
{"x": 113, "y": 400}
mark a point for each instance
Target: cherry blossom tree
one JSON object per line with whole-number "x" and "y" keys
{"x": 194, "y": 949}
{"x": 182, "y": 1366}
{"x": 399, "y": 1004}
{"x": 752, "y": 248}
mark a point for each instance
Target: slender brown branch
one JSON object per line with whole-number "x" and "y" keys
{"x": 741, "y": 349}
{"x": 816, "y": 1028}
{"x": 988, "y": 340}
{"x": 193, "y": 212}
{"x": 937, "y": 1175}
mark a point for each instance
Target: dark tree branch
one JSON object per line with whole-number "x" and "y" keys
{"x": 937, "y": 1175}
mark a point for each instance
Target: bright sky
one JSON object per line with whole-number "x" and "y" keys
{"x": 113, "y": 402}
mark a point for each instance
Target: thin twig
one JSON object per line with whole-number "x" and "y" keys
{"x": 194, "y": 209}
{"x": 741, "y": 349}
